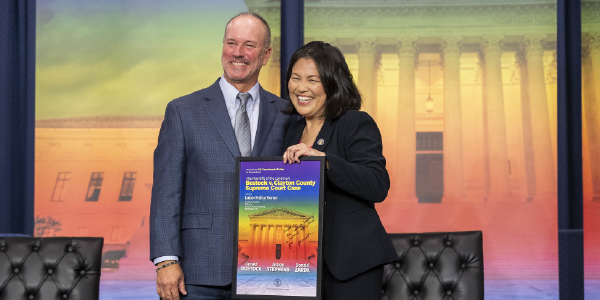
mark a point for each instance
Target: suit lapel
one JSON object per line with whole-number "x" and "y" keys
{"x": 214, "y": 103}
{"x": 266, "y": 118}
{"x": 294, "y": 133}
{"x": 324, "y": 136}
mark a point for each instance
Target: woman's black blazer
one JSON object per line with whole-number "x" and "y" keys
{"x": 354, "y": 239}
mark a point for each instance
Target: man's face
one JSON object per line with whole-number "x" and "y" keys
{"x": 243, "y": 50}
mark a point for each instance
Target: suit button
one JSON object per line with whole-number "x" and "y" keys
{"x": 448, "y": 243}
{"x": 50, "y": 271}
{"x": 30, "y": 297}
{"x": 397, "y": 265}
{"x": 431, "y": 265}
{"x": 448, "y": 293}
{"x": 70, "y": 249}
{"x": 16, "y": 270}
{"x": 64, "y": 296}
{"x": 82, "y": 272}
{"x": 415, "y": 242}
{"x": 415, "y": 292}
{"x": 464, "y": 266}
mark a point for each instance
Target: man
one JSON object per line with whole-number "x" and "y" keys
{"x": 192, "y": 209}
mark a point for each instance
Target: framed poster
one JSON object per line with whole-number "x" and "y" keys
{"x": 278, "y": 231}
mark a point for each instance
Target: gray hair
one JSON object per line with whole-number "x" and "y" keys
{"x": 267, "y": 37}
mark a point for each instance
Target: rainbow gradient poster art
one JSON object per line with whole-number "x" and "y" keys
{"x": 279, "y": 210}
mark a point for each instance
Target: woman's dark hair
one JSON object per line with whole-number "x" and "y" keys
{"x": 342, "y": 93}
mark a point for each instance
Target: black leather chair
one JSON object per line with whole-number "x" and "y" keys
{"x": 446, "y": 265}
{"x": 50, "y": 268}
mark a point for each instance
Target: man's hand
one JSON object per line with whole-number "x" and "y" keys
{"x": 169, "y": 281}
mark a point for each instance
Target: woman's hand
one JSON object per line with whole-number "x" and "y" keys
{"x": 294, "y": 152}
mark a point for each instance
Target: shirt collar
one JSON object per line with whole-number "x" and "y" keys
{"x": 230, "y": 93}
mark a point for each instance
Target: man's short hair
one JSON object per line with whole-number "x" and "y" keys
{"x": 267, "y": 37}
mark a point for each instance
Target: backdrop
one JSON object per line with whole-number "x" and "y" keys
{"x": 464, "y": 94}
{"x": 590, "y": 73}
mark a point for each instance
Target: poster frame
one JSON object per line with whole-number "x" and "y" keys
{"x": 319, "y": 265}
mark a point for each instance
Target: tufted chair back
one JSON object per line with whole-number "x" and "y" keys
{"x": 435, "y": 266}
{"x": 50, "y": 268}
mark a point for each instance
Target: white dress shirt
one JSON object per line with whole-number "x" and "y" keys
{"x": 252, "y": 106}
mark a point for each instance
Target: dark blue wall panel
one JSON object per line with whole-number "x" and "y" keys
{"x": 570, "y": 177}
{"x": 17, "y": 115}
{"x": 292, "y": 35}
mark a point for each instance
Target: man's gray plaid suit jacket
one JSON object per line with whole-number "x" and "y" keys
{"x": 192, "y": 208}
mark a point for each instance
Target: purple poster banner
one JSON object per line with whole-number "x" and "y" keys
{"x": 278, "y": 229}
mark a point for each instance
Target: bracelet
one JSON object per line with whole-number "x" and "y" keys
{"x": 167, "y": 264}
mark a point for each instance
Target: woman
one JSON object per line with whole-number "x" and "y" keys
{"x": 355, "y": 244}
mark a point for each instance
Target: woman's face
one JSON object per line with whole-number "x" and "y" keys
{"x": 306, "y": 90}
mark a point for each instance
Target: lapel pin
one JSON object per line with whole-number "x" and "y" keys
{"x": 320, "y": 142}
